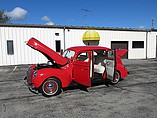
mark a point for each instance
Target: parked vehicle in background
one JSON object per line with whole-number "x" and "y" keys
{"x": 80, "y": 64}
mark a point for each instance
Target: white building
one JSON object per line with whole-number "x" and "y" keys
{"x": 141, "y": 44}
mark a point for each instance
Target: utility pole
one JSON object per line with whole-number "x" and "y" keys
{"x": 85, "y": 16}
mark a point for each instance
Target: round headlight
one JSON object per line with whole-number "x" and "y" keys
{"x": 34, "y": 74}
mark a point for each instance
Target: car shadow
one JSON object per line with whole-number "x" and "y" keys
{"x": 75, "y": 85}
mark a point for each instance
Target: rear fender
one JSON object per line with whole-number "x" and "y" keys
{"x": 123, "y": 71}
{"x": 45, "y": 73}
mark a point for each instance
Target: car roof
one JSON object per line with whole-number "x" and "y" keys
{"x": 87, "y": 48}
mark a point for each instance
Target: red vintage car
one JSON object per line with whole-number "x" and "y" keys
{"x": 80, "y": 64}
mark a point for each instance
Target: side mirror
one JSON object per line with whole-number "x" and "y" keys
{"x": 61, "y": 51}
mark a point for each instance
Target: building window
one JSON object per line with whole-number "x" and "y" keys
{"x": 10, "y": 47}
{"x": 57, "y": 34}
{"x": 138, "y": 44}
{"x": 58, "y": 45}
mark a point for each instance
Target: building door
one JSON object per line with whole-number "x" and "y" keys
{"x": 58, "y": 45}
{"x": 120, "y": 45}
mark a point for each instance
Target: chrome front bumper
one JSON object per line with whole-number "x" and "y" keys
{"x": 28, "y": 83}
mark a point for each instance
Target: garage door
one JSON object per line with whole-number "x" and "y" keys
{"x": 120, "y": 45}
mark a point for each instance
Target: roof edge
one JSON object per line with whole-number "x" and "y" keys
{"x": 76, "y": 27}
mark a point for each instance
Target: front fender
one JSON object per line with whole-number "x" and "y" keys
{"x": 43, "y": 74}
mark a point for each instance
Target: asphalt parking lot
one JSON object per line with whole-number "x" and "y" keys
{"x": 134, "y": 97}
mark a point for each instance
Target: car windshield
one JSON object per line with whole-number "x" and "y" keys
{"x": 68, "y": 54}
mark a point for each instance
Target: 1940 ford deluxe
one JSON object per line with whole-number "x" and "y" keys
{"x": 80, "y": 64}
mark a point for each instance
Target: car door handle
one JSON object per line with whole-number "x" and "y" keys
{"x": 85, "y": 69}
{"x": 107, "y": 63}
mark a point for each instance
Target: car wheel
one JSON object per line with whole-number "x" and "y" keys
{"x": 51, "y": 87}
{"x": 117, "y": 78}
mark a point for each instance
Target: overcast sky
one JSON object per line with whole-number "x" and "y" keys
{"x": 98, "y": 13}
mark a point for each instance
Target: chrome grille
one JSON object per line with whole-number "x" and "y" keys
{"x": 29, "y": 72}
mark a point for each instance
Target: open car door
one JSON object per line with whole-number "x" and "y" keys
{"x": 111, "y": 64}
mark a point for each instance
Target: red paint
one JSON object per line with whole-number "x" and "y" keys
{"x": 121, "y": 52}
{"x": 48, "y": 52}
{"x": 68, "y": 70}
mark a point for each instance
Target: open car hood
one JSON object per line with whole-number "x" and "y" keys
{"x": 121, "y": 52}
{"x": 46, "y": 51}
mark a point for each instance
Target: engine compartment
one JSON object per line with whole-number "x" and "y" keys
{"x": 49, "y": 64}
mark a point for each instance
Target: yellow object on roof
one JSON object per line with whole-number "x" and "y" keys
{"x": 91, "y": 35}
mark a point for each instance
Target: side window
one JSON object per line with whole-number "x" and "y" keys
{"x": 10, "y": 47}
{"x": 83, "y": 57}
{"x": 111, "y": 54}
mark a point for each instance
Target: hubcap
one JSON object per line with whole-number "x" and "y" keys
{"x": 50, "y": 87}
